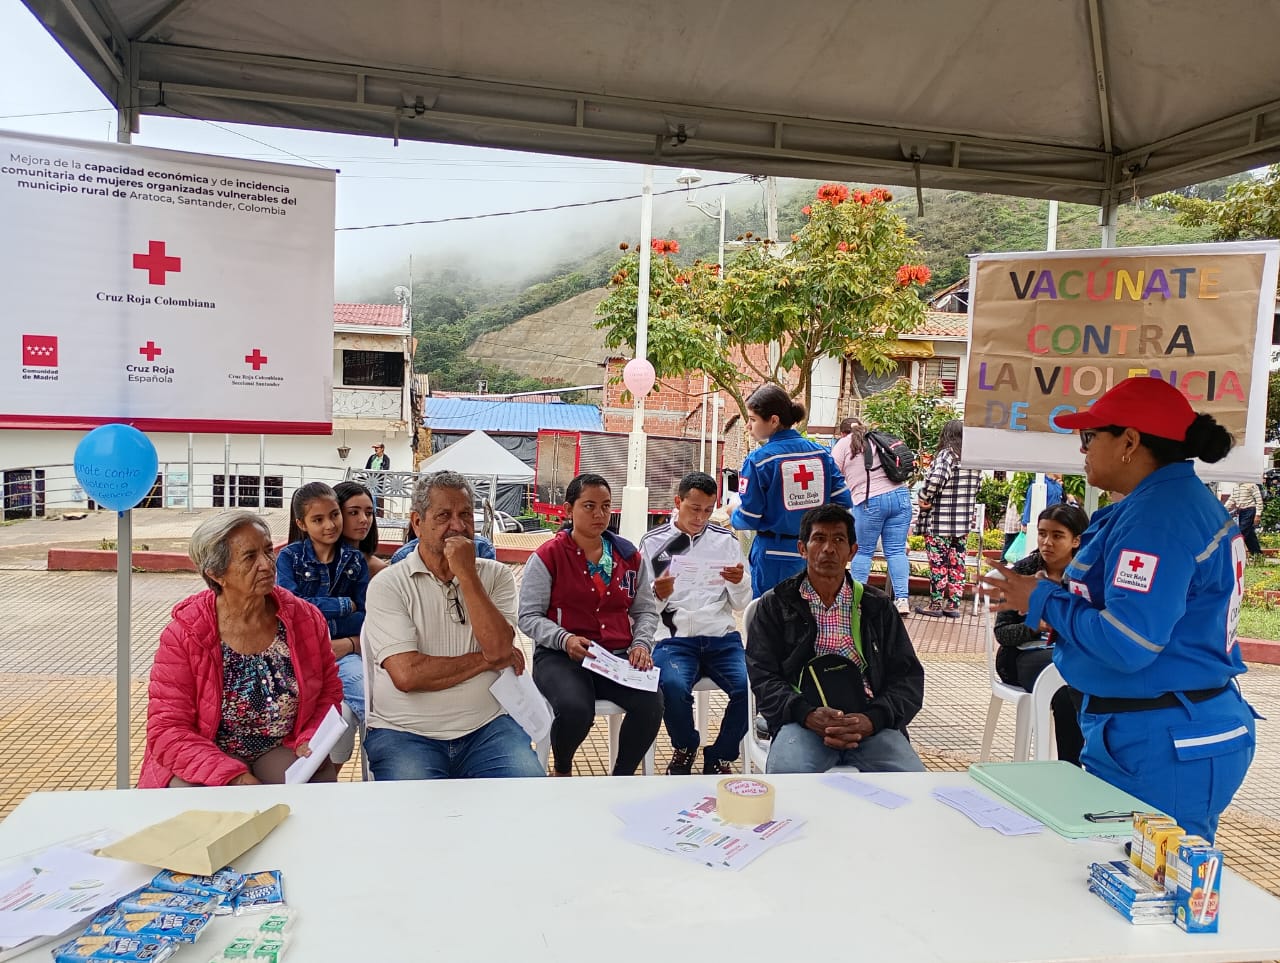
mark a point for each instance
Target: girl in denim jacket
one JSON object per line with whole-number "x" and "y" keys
{"x": 319, "y": 566}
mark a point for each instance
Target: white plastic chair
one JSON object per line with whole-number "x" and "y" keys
{"x": 614, "y": 713}
{"x": 366, "y": 772}
{"x": 702, "y": 706}
{"x": 755, "y": 751}
{"x": 1048, "y": 682}
{"x": 1002, "y": 692}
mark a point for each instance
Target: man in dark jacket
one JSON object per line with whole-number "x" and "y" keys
{"x": 812, "y": 615}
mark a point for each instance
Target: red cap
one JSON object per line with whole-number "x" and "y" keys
{"x": 1149, "y": 405}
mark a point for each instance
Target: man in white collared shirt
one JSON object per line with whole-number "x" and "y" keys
{"x": 439, "y": 627}
{"x": 699, "y": 584}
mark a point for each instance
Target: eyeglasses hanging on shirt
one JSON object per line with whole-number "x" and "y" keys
{"x": 456, "y": 612}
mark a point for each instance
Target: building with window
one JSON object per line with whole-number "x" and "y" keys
{"x": 376, "y": 399}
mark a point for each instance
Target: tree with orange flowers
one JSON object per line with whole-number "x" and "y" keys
{"x": 847, "y": 284}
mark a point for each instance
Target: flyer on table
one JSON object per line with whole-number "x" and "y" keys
{"x": 174, "y": 291}
{"x": 1050, "y": 332}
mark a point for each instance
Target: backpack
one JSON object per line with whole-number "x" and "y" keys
{"x": 896, "y": 459}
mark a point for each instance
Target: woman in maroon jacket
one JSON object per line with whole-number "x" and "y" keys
{"x": 244, "y": 673}
{"x": 589, "y": 585}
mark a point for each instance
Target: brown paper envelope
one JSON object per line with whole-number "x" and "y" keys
{"x": 198, "y": 841}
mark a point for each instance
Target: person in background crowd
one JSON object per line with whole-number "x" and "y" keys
{"x": 589, "y": 585}
{"x": 359, "y": 523}
{"x": 1052, "y": 496}
{"x": 1146, "y": 625}
{"x": 439, "y": 630}
{"x": 948, "y": 496}
{"x": 822, "y": 625}
{"x": 881, "y": 510}
{"x": 378, "y": 461}
{"x": 697, "y": 632}
{"x": 1025, "y": 650}
{"x": 1011, "y": 525}
{"x": 1246, "y": 502}
{"x": 781, "y": 480}
{"x": 244, "y": 673}
{"x": 484, "y": 547}
{"x": 319, "y": 566}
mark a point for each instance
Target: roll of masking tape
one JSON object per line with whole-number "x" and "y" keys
{"x": 747, "y": 802}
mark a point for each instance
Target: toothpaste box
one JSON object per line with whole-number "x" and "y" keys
{"x": 1199, "y": 888}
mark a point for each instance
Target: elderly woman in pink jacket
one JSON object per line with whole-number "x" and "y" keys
{"x": 244, "y": 673}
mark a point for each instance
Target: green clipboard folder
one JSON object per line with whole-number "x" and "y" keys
{"x": 1058, "y": 794}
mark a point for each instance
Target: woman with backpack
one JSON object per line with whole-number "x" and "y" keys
{"x": 881, "y": 506}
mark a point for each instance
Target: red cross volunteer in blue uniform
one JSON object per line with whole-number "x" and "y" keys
{"x": 1145, "y": 624}
{"x": 780, "y": 481}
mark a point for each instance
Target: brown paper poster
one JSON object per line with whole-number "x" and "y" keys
{"x": 1053, "y": 333}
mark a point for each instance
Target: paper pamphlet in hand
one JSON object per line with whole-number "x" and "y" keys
{"x": 197, "y": 841}
{"x": 48, "y": 893}
{"x": 619, "y": 670}
{"x": 304, "y": 767}
{"x": 524, "y": 703}
{"x": 700, "y": 572}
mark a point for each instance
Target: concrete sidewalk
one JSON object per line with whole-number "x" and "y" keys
{"x": 57, "y": 700}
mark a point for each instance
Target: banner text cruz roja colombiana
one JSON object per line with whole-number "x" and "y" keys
{"x": 1050, "y": 335}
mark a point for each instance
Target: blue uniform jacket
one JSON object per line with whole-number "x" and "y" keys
{"x": 341, "y": 603}
{"x": 1052, "y": 496}
{"x": 1151, "y": 601}
{"x": 783, "y": 479}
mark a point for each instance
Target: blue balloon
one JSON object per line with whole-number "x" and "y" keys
{"x": 116, "y": 465}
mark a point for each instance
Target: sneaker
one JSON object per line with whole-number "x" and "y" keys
{"x": 681, "y": 763}
{"x": 903, "y": 606}
{"x": 715, "y": 767}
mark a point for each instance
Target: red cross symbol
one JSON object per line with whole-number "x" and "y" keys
{"x": 150, "y": 351}
{"x": 1240, "y": 576}
{"x": 1137, "y": 563}
{"x": 257, "y": 359}
{"x": 803, "y": 476}
{"x": 156, "y": 263}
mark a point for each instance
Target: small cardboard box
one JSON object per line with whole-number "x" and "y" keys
{"x": 1199, "y": 888}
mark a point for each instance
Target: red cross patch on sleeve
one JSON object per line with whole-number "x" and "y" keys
{"x": 1135, "y": 571}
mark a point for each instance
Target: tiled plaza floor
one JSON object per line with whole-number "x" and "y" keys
{"x": 57, "y": 700}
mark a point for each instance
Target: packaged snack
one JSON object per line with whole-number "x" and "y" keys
{"x": 1155, "y": 830}
{"x": 269, "y": 951}
{"x": 276, "y": 924}
{"x": 1199, "y": 888}
{"x": 182, "y": 927}
{"x": 98, "y": 925}
{"x": 1139, "y": 833}
{"x": 158, "y": 900}
{"x": 225, "y": 883}
{"x": 1138, "y": 918}
{"x": 241, "y": 948}
{"x": 263, "y": 892}
{"x": 1171, "y": 868}
{"x": 123, "y": 949}
{"x": 1128, "y": 882}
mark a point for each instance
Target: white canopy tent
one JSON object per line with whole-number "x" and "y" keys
{"x": 1093, "y": 101}
{"x": 484, "y": 463}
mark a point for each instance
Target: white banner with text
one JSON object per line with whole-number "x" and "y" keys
{"x": 171, "y": 291}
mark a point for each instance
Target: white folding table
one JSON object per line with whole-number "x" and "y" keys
{"x": 534, "y": 870}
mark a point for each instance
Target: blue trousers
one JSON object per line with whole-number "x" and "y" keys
{"x": 498, "y": 749}
{"x": 797, "y": 749}
{"x": 1187, "y": 761}
{"x": 683, "y": 661}
{"x": 888, "y": 517}
{"x": 773, "y": 559}
{"x": 351, "y": 675}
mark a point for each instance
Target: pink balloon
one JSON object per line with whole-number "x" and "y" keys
{"x": 639, "y": 377}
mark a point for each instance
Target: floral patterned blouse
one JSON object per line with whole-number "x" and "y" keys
{"x": 259, "y": 699}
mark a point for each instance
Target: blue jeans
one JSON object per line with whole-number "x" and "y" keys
{"x": 497, "y": 750}
{"x": 797, "y": 749}
{"x": 886, "y": 517}
{"x": 351, "y": 674}
{"x": 683, "y": 662}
